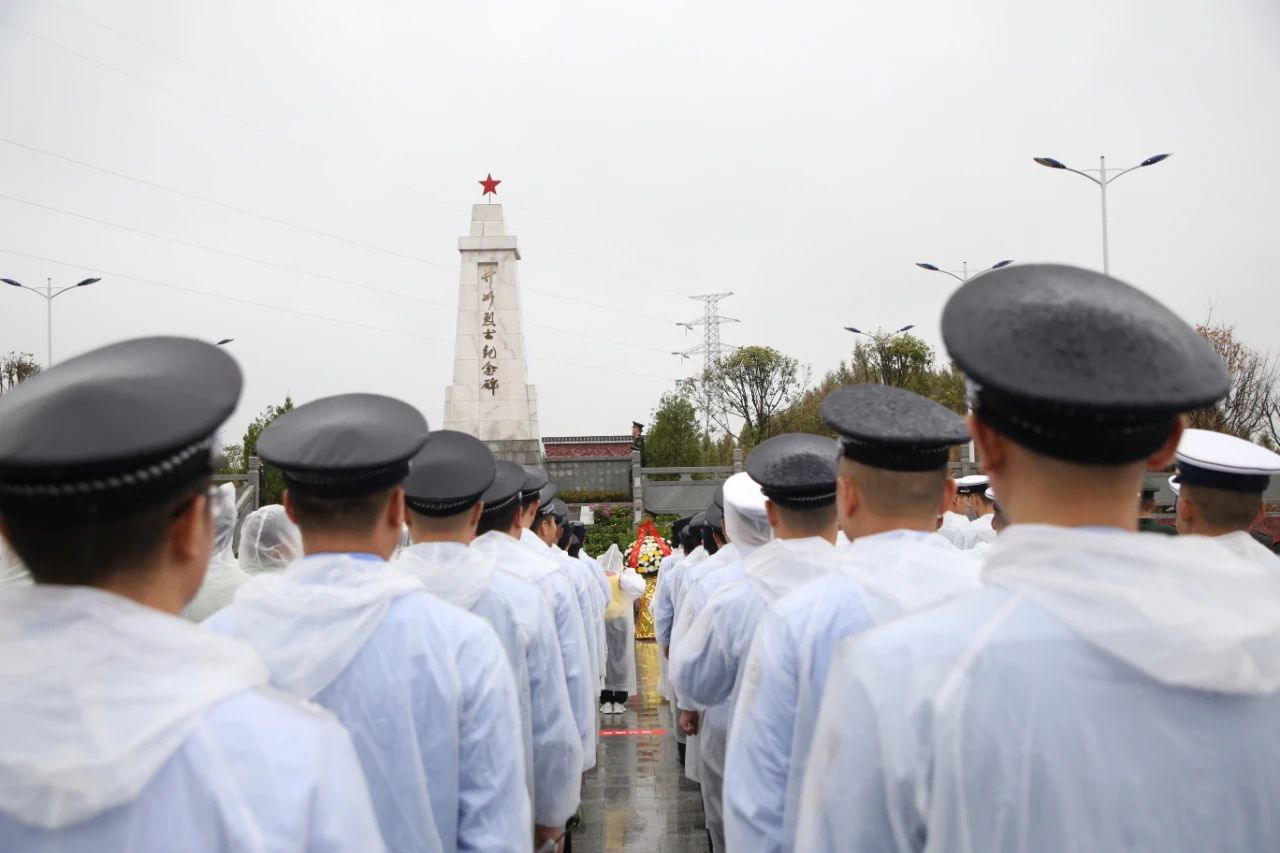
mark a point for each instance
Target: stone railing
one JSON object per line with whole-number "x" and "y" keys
{"x": 677, "y": 491}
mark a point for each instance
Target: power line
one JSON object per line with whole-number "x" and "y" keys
{"x": 260, "y": 128}
{"x": 240, "y": 300}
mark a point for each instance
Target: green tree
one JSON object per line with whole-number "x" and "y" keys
{"x": 674, "y": 440}
{"x": 751, "y": 385}
{"x": 16, "y": 367}
{"x": 901, "y": 360}
{"x": 238, "y": 455}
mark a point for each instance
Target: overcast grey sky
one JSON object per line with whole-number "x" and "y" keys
{"x": 803, "y": 155}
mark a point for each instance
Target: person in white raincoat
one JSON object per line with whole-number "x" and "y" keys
{"x": 892, "y": 482}
{"x": 444, "y": 494}
{"x": 797, "y": 475}
{"x": 620, "y": 632}
{"x": 660, "y": 604}
{"x": 980, "y": 530}
{"x": 1220, "y": 481}
{"x": 548, "y": 527}
{"x": 501, "y": 524}
{"x": 424, "y": 687}
{"x": 955, "y": 518}
{"x": 746, "y": 526}
{"x": 1105, "y": 689}
{"x": 664, "y": 611}
{"x": 128, "y": 727}
{"x": 998, "y": 523}
{"x": 269, "y": 540}
{"x": 223, "y": 576}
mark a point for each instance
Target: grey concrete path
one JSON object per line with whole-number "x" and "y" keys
{"x": 637, "y": 798}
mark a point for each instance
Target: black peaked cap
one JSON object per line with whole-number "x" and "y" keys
{"x": 546, "y": 495}
{"x": 714, "y": 516}
{"x": 534, "y": 480}
{"x": 344, "y": 446}
{"x": 505, "y": 488}
{"x": 449, "y": 474}
{"x": 116, "y": 428}
{"x": 892, "y": 428}
{"x": 698, "y": 521}
{"x": 796, "y": 470}
{"x": 1075, "y": 364}
{"x": 560, "y": 510}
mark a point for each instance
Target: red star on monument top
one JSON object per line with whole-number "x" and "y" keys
{"x": 490, "y": 186}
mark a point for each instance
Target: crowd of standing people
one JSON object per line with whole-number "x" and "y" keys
{"x": 412, "y": 652}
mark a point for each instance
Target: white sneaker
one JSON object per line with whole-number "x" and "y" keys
{"x": 619, "y": 708}
{"x": 606, "y": 708}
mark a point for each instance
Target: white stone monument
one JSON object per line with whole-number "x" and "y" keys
{"x": 491, "y": 397}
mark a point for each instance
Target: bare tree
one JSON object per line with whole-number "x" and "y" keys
{"x": 16, "y": 367}
{"x": 1251, "y": 405}
{"x": 751, "y": 385}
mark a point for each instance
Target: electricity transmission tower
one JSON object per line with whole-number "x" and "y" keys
{"x": 710, "y": 349}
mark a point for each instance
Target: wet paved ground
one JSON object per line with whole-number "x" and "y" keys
{"x": 637, "y": 798}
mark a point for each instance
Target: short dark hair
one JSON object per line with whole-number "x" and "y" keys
{"x": 89, "y": 551}
{"x": 499, "y": 519}
{"x": 811, "y": 520}
{"x": 1223, "y": 508}
{"x": 347, "y": 514}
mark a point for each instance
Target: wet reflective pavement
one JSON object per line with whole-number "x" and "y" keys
{"x": 637, "y": 798}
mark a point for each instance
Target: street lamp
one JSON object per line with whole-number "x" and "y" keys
{"x": 1100, "y": 177}
{"x": 963, "y": 274}
{"x": 878, "y": 335}
{"x": 48, "y": 296}
{"x": 881, "y": 342}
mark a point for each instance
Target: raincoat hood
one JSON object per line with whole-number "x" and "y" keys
{"x": 909, "y": 569}
{"x": 779, "y": 566}
{"x": 506, "y": 550}
{"x": 611, "y": 560}
{"x": 129, "y": 685}
{"x": 1188, "y": 610}
{"x": 449, "y": 570}
{"x": 269, "y": 541}
{"x": 745, "y": 523}
{"x": 310, "y": 622}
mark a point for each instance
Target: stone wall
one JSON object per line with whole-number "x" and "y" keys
{"x": 591, "y": 474}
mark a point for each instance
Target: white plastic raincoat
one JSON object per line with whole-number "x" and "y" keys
{"x": 516, "y": 610}
{"x": 12, "y": 571}
{"x": 660, "y": 612}
{"x": 269, "y": 540}
{"x": 523, "y": 562}
{"x": 877, "y": 579}
{"x": 223, "y": 576}
{"x": 620, "y": 622}
{"x": 591, "y": 602}
{"x": 1106, "y": 690}
{"x": 150, "y": 734}
{"x": 707, "y": 666}
{"x": 424, "y": 688}
{"x": 977, "y": 532}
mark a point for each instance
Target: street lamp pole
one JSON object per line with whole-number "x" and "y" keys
{"x": 48, "y": 296}
{"x": 1100, "y": 177}
{"x": 962, "y": 275}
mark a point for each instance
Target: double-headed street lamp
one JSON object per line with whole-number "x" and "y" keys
{"x": 1101, "y": 177}
{"x": 963, "y": 274}
{"x": 48, "y": 296}
{"x": 881, "y": 341}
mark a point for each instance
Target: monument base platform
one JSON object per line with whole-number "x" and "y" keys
{"x": 523, "y": 451}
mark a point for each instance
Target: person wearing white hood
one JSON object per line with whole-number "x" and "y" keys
{"x": 424, "y": 687}
{"x": 501, "y": 524}
{"x": 223, "y": 576}
{"x": 1105, "y": 689}
{"x": 620, "y": 632}
{"x": 444, "y": 493}
{"x": 891, "y": 482}
{"x": 269, "y": 541}
{"x": 797, "y": 475}
{"x": 127, "y": 727}
{"x": 1220, "y": 481}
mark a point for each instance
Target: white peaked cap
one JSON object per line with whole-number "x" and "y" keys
{"x": 1217, "y": 451}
